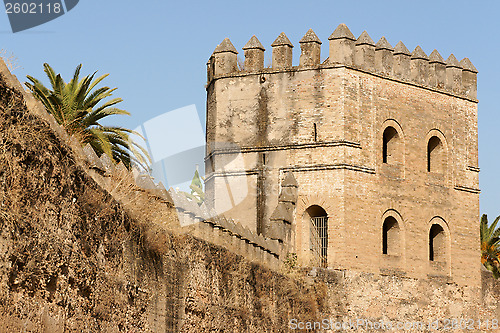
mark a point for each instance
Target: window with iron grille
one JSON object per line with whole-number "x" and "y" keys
{"x": 319, "y": 239}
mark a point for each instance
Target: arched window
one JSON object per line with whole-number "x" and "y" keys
{"x": 437, "y": 244}
{"x": 392, "y": 150}
{"x": 436, "y": 159}
{"x": 391, "y": 241}
{"x": 318, "y": 234}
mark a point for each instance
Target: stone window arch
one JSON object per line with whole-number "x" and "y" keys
{"x": 392, "y": 143}
{"x": 437, "y": 152}
{"x": 391, "y": 237}
{"x": 437, "y": 243}
{"x": 318, "y": 234}
{"x": 439, "y": 247}
{"x": 436, "y": 155}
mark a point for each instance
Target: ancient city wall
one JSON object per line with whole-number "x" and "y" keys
{"x": 85, "y": 249}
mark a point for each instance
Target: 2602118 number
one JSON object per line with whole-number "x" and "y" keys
{"x": 16, "y": 8}
{"x": 32, "y": 8}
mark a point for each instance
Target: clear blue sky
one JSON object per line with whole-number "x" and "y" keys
{"x": 156, "y": 51}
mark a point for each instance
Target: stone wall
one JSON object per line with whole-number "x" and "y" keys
{"x": 364, "y": 299}
{"x": 87, "y": 250}
{"x": 325, "y": 123}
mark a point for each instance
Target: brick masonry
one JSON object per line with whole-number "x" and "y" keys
{"x": 325, "y": 124}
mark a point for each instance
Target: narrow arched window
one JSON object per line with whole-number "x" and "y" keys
{"x": 436, "y": 160}
{"x": 392, "y": 150}
{"x": 318, "y": 234}
{"x": 391, "y": 241}
{"x": 437, "y": 244}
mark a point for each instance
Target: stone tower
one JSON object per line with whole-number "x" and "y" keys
{"x": 365, "y": 161}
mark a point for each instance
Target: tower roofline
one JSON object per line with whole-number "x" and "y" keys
{"x": 358, "y": 54}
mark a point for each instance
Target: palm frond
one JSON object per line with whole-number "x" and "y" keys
{"x": 50, "y": 73}
{"x": 490, "y": 245}
{"x": 77, "y": 106}
{"x": 94, "y": 116}
{"x": 95, "y": 97}
{"x": 95, "y": 83}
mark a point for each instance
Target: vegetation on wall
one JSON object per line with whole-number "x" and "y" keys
{"x": 197, "y": 193}
{"x": 79, "y": 108}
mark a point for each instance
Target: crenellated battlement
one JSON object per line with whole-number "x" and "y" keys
{"x": 345, "y": 50}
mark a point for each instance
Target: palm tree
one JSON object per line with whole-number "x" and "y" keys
{"x": 490, "y": 250}
{"x": 78, "y": 107}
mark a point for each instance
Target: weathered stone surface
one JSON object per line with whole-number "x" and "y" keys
{"x": 225, "y": 46}
{"x": 364, "y": 38}
{"x": 282, "y": 52}
{"x": 327, "y": 126}
{"x": 469, "y": 78}
{"x": 253, "y": 43}
{"x": 418, "y": 53}
{"x": 289, "y": 180}
{"x": 223, "y": 60}
{"x": 401, "y": 68}
{"x": 362, "y": 53}
{"x": 384, "y": 57}
{"x": 419, "y": 66}
{"x": 401, "y": 49}
{"x": 437, "y": 70}
{"x": 288, "y": 194}
{"x": 145, "y": 182}
{"x": 254, "y": 55}
{"x": 453, "y": 74}
{"x": 92, "y": 157}
{"x": 342, "y": 31}
{"x": 453, "y": 62}
{"x": 467, "y": 65}
{"x": 342, "y": 46}
{"x": 283, "y": 212}
{"x": 282, "y": 40}
{"x": 364, "y": 57}
{"x": 79, "y": 257}
{"x": 436, "y": 57}
{"x": 383, "y": 44}
{"x": 310, "y": 47}
{"x": 310, "y": 37}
